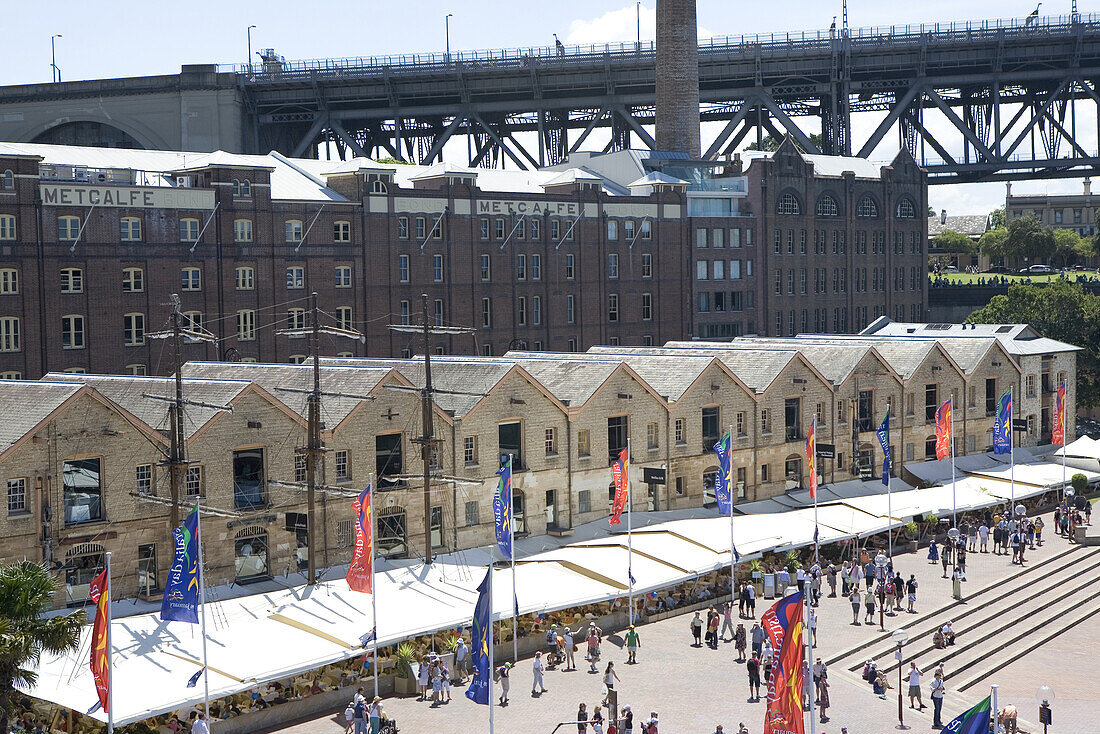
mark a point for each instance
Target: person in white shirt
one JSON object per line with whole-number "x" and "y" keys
{"x": 536, "y": 667}
{"x": 983, "y": 534}
{"x": 938, "y": 689}
{"x": 199, "y": 725}
{"x": 914, "y": 687}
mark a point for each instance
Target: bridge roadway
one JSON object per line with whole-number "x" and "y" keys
{"x": 1009, "y": 89}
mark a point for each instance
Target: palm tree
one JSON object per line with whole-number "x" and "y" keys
{"x": 26, "y": 591}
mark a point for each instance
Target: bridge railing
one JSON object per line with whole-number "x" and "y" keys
{"x": 765, "y": 44}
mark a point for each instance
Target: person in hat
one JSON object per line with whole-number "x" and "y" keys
{"x": 633, "y": 642}
{"x": 505, "y": 682}
{"x": 626, "y": 725}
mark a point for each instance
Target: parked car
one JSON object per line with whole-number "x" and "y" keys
{"x": 950, "y": 269}
{"x": 998, "y": 270}
{"x": 1038, "y": 270}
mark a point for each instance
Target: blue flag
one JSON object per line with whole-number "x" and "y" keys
{"x": 736, "y": 555}
{"x": 502, "y": 509}
{"x": 181, "y": 593}
{"x": 723, "y": 487}
{"x": 194, "y": 680}
{"x": 478, "y": 690}
{"x": 974, "y": 721}
{"x": 368, "y": 638}
{"x": 884, "y": 442}
{"x": 1002, "y": 425}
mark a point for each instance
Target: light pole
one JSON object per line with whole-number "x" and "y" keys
{"x": 447, "y": 23}
{"x": 249, "y": 32}
{"x": 1045, "y": 695}
{"x": 638, "y": 24}
{"x": 952, "y": 537}
{"x": 54, "y": 71}
{"x": 880, "y": 563}
{"x": 900, "y": 637}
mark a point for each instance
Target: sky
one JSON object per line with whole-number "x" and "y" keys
{"x": 125, "y": 38}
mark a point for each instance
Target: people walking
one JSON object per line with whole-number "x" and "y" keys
{"x": 914, "y": 687}
{"x": 751, "y": 591}
{"x": 697, "y": 630}
{"x": 911, "y": 593}
{"x": 610, "y": 677}
{"x": 582, "y": 718}
{"x": 853, "y": 597}
{"x": 570, "y": 649}
{"x": 869, "y": 605}
{"x": 937, "y": 689}
{"x": 956, "y": 584}
{"x": 823, "y": 700}
{"x": 536, "y": 669}
{"x": 462, "y": 659}
{"x": 752, "y": 667}
{"x": 933, "y": 552}
{"x": 739, "y": 641}
{"x": 983, "y": 538}
{"x": 503, "y": 672}
{"x": 757, "y": 634}
{"x": 727, "y": 620}
{"x": 832, "y": 571}
{"x": 633, "y": 642}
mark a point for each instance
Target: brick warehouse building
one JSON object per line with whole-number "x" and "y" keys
{"x": 629, "y": 248}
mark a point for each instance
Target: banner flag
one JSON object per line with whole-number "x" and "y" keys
{"x": 723, "y": 484}
{"x": 974, "y": 721}
{"x": 1060, "y": 416}
{"x": 1002, "y": 425}
{"x": 502, "y": 509}
{"x": 944, "y": 431}
{"x": 620, "y": 472}
{"x": 478, "y": 690}
{"x": 884, "y": 442}
{"x": 360, "y": 576}
{"x": 181, "y": 593}
{"x": 783, "y": 625}
{"x": 99, "y": 663}
{"x": 811, "y": 456}
{"x": 194, "y": 680}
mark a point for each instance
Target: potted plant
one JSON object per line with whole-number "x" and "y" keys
{"x": 405, "y": 682}
{"x": 790, "y": 560}
{"x": 913, "y": 531}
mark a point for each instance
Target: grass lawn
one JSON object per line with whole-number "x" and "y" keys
{"x": 973, "y": 277}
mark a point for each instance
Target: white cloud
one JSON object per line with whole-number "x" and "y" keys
{"x": 618, "y": 26}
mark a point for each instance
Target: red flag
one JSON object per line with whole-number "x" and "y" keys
{"x": 99, "y": 663}
{"x": 620, "y": 471}
{"x": 783, "y": 624}
{"x": 944, "y": 430}
{"x": 361, "y": 571}
{"x": 1060, "y": 416}
{"x": 811, "y": 456}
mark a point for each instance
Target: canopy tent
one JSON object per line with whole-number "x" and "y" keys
{"x": 283, "y": 633}
{"x": 1084, "y": 453}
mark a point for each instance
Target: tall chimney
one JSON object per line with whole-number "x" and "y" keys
{"x": 677, "y": 114}
{"x": 943, "y": 216}
{"x": 1088, "y": 187}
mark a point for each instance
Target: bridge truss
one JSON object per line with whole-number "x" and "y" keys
{"x": 980, "y": 101}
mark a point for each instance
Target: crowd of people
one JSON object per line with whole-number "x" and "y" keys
{"x": 938, "y": 280}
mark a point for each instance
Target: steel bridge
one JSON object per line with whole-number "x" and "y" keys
{"x": 1009, "y": 89}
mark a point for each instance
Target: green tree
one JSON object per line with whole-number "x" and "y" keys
{"x": 771, "y": 144}
{"x": 1067, "y": 246}
{"x": 951, "y": 241}
{"x": 992, "y": 243}
{"x": 1060, "y": 310}
{"x": 26, "y": 591}
{"x": 1028, "y": 238}
{"x": 997, "y": 218}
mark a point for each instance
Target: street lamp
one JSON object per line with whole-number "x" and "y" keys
{"x": 880, "y": 563}
{"x": 900, "y": 637}
{"x": 1044, "y": 696}
{"x": 447, "y": 22}
{"x": 249, "y": 32}
{"x": 952, "y": 537}
{"x": 1020, "y": 510}
{"x": 54, "y": 71}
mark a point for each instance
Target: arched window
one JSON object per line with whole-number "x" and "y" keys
{"x": 250, "y": 559}
{"x": 827, "y": 207}
{"x": 710, "y": 479}
{"x": 788, "y": 204}
{"x": 393, "y": 538}
{"x": 519, "y": 513}
{"x": 236, "y": 187}
{"x": 867, "y": 207}
{"x": 930, "y": 447}
{"x": 378, "y": 187}
{"x": 905, "y": 209}
{"x": 246, "y": 187}
{"x": 82, "y": 564}
{"x": 792, "y": 471}
{"x": 9, "y": 180}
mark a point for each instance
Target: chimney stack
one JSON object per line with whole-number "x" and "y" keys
{"x": 677, "y": 112}
{"x": 1088, "y": 187}
{"x": 943, "y": 216}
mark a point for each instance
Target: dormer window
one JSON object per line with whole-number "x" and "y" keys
{"x": 378, "y": 187}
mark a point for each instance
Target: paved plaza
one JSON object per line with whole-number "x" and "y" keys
{"x": 694, "y": 689}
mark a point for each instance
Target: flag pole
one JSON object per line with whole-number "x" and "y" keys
{"x": 808, "y": 646}
{"x": 951, "y": 440}
{"x": 202, "y": 606}
{"x": 373, "y": 585}
{"x": 1065, "y": 389}
{"x": 813, "y": 482}
{"x": 492, "y": 658}
{"x": 110, "y": 666}
{"x": 889, "y": 493}
{"x": 993, "y": 708}
{"x": 629, "y": 541}
{"x": 729, "y": 488}
{"x": 512, "y": 546}
{"x": 1011, "y": 459}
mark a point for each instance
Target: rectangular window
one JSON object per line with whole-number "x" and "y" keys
{"x": 534, "y": 229}
{"x": 81, "y": 480}
{"x": 652, "y": 436}
{"x": 483, "y": 228}
{"x": 193, "y": 484}
{"x": 242, "y": 230}
{"x": 486, "y": 312}
{"x": 740, "y": 423}
{"x": 246, "y": 325}
{"x": 133, "y": 280}
{"x": 438, "y": 310}
{"x": 17, "y": 496}
{"x": 701, "y": 270}
{"x": 246, "y": 279}
{"x": 570, "y": 269}
{"x": 7, "y": 227}
{"x": 72, "y": 332}
{"x": 617, "y": 433}
{"x": 700, "y": 238}
{"x": 472, "y": 513}
{"x": 249, "y": 479}
{"x": 344, "y": 318}
{"x": 646, "y": 229}
{"x": 765, "y": 421}
{"x": 931, "y": 402}
{"x": 9, "y": 334}
{"x": 404, "y": 315}
{"x": 191, "y": 279}
{"x": 72, "y": 280}
{"x": 612, "y": 265}
{"x": 521, "y": 267}
{"x": 718, "y": 267}
{"x": 486, "y": 267}
{"x": 612, "y": 306}
{"x": 295, "y": 278}
{"x": 717, "y": 236}
{"x": 555, "y": 229}
{"x": 341, "y": 231}
{"x": 647, "y": 265}
{"x": 403, "y": 227}
{"x": 342, "y": 276}
{"x": 991, "y": 396}
{"x": 735, "y": 270}
{"x": 437, "y": 268}
{"x": 647, "y": 306}
{"x": 9, "y": 281}
{"x": 500, "y": 229}
{"x": 551, "y": 441}
{"x": 343, "y": 466}
{"x": 536, "y": 267}
{"x": 68, "y": 228}
{"x": 536, "y": 312}
{"x": 628, "y": 230}
{"x": 710, "y": 428}
{"x": 678, "y": 432}
{"x": 569, "y": 310}
{"x": 612, "y": 229}
{"x": 469, "y": 450}
{"x": 584, "y": 501}
{"x": 584, "y": 442}
{"x": 133, "y": 329}
{"x": 143, "y": 478}
{"x": 421, "y": 228}
{"x": 521, "y": 311}
{"x": 130, "y": 229}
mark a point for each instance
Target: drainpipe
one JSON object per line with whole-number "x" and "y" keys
{"x": 569, "y": 468}
{"x": 668, "y": 465}
{"x": 454, "y": 485}
{"x": 755, "y": 448}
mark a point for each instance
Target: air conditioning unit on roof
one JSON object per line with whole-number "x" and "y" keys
{"x": 183, "y": 182}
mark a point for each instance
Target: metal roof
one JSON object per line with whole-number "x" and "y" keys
{"x": 30, "y": 403}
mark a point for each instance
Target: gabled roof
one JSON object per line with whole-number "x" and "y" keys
{"x": 757, "y": 366}
{"x": 572, "y": 175}
{"x": 128, "y": 392}
{"x": 836, "y": 361}
{"x": 671, "y": 375}
{"x": 29, "y": 405}
{"x": 972, "y": 225}
{"x": 1017, "y": 339}
{"x": 575, "y": 378}
{"x": 657, "y": 177}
